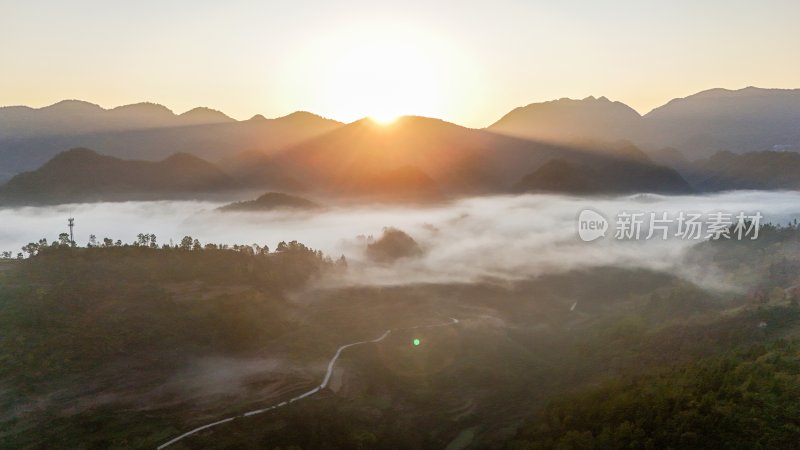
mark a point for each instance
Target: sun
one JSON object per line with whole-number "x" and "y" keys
{"x": 384, "y": 119}
{"x": 383, "y": 70}
{"x": 384, "y": 77}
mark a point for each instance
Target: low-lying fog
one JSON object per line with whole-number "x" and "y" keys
{"x": 502, "y": 237}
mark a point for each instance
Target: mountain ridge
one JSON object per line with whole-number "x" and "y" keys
{"x": 83, "y": 175}
{"x": 699, "y": 125}
{"x": 29, "y": 137}
{"x": 696, "y": 126}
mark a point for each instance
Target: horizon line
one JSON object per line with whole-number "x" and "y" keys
{"x": 302, "y": 111}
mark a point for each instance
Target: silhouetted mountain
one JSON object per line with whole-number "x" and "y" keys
{"x": 570, "y": 121}
{"x": 619, "y": 177}
{"x": 426, "y": 157}
{"x": 365, "y": 157}
{"x": 271, "y": 201}
{"x": 253, "y": 168}
{"x": 419, "y": 158}
{"x": 29, "y": 137}
{"x": 669, "y": 157}
{"x": 744, "y": 120}
{"x": 75, "y": 117}
{"x": 354, "y": 158}
{"x": 413, "y": 159}
{"x": 402, "y": 184}
{"x": 81, "y": 175}
{"x": 756, "y": 170}
{"x": 203, "y": 116}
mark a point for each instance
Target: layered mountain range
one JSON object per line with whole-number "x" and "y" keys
{"x": 739, "y": 121}
{"x": 29, "y": 137}
{"x": 415, "y": 159}
{"x": 713, "y": 140}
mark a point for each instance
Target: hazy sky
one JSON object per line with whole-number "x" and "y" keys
{"x": 465, "y": 61}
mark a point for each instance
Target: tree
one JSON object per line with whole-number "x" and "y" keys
{"x": 92, "y": 241}
{"x": 64, "y": 240}
{"x": 31, "y": 249}
{"x": 186, "y": 243}
{"x": 142, "y": 240}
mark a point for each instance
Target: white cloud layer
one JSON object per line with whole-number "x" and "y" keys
{"x": 503, "y": 237}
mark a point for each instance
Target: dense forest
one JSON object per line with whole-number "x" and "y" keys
{"x": 744, "y": 399}
{"x": 126, "y": 345}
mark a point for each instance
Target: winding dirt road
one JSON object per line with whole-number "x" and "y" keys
{"x": 324, "y": 384}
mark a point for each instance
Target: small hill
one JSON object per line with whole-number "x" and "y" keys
{"x": 559, "y": 176}
{"x": 402, "y": 184}
{"x": 257, "y": 169}
{"x": 669, "y": 157}
{"x": 272, "y": 201}
{"x": 621, "y": 177}
{"x": 393, "y": 245}
{"x": 83, "y": 175}
{"x": 569, "y": 121}
{"x": 755, "y": 170}
{"x": 202, "y": 116}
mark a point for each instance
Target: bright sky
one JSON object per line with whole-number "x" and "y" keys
{"x": 464, "y": 61}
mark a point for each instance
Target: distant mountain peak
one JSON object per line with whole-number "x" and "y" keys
{"x": 304, "y": 115}
{"x": 73, "y": 105}
{"x": 81, "y": 174}
{"x": 74, "y": 157}
{"x": 272, "y": 201}
{"x": 301, "y": 114}
{"x": 568, "y": 120}
{"x": 723, "y": 94}
{"x": 143, "y": 108}
{"x": 749, "y": 90}
{"x": 77, "y": 152}
{"x": 204, "y": 114}
{"x": 178, "y": 156}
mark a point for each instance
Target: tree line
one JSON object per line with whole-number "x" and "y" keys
{"x": 150, "y": 241}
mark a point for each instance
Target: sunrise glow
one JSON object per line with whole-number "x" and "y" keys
{"x": 384, "y": 77}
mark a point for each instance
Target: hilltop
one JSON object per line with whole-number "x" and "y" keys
{"x": 83, "y": 175}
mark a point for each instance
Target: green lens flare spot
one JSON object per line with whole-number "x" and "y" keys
{"x": 416, "y": 342}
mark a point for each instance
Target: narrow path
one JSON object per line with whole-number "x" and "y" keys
{"x": 324, "y": 384}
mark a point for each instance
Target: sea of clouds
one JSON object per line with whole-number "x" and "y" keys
{"x": 498, "y": 237}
